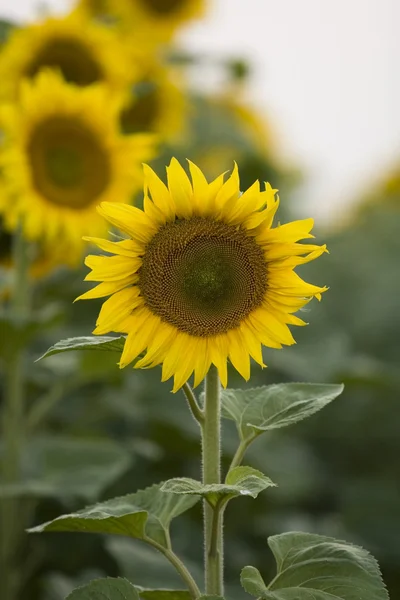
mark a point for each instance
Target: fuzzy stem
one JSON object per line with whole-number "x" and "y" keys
{"x": 179, "y": 566}
{"x": 211, "y": 444}
{"x": 195, "y": 409}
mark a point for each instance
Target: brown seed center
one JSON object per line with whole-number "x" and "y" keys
{"x": 68, "y": 164}
{"x": 203, "y": 276}
{"x": 71, "y": 57}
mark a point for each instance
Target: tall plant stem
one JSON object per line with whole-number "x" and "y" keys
{"x": 211, "y": 445}
{"x": 13, "y": 425}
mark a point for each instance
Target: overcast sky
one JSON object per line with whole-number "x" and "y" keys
{"x": 327, "y": 72}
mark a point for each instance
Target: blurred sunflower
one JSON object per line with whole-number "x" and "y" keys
{"x": 42, "y": 261}
{"x": 203, "y": 276}
{"x": 156, "y": 103}
{"x": 62, "y": 154}
{"x": 84, "y": 53}
{"x": 153, "y": 20}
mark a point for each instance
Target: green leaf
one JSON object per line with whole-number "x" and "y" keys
{"x": 146, "y": 514}
{"x": 164, "y": 594}
{"x": 63, "y": 467}
{"x": 17, "y": 331}
{"x": 315, "y": 567}
{"x": 241, "y": 481}
{"x": 105, "y": 589}
{"x": 108, "y": 343}
{"x": 274, "y": 406}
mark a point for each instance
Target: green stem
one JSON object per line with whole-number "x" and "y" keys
{"x": 211, "y": 444}
{"x": 179, "y": 566}
{"x": 192, "y": 402}
{"x": 239, "y": 454}
{"x": 13, "y": 425}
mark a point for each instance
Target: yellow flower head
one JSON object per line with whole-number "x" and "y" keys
{"x": 202, "y": 277}
{"x": 83, "y": 52}
{"x": 155, "y": 103}
{"x": 154, "y": 19}
{"x": 61, "y": 155}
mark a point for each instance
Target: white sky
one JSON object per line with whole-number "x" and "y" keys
{"x": 327, "y": 72}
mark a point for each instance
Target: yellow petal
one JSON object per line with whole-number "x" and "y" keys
{"x": 219, "y": 357}
{"x": 290, "y": 232}
{"x": 238, "y": 354}
{"x": 159, "y": 192}
{"x": 228, "y": 195}
{"x": 116, "y": 309}
{"x": 111, "y": 268}
{"x": 180, "y": 189}
{"x": 130, "y": 219}
{"x": 123, "y": 248}
{"x": 107, "y": 288}
{"x": 202, "y": 362}
{"x": 252, "y": 342}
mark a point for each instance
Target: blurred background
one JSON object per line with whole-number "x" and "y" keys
{"x": 305, "y": 95}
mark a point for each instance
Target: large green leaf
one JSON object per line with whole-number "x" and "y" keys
{"x": 274, "y": 406}
{"x": 315, "y": 567}
{"x": 240, "y": 481}
{"x": 105, "y": 343}
{"x": 105, "y": 589}
{"x": 164, "y": 594}
{"x": 146, "y": 514}
{"x": 64, "y": 467}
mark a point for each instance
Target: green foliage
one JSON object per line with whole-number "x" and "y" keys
{"x": 164, "y": 594}
{"x": 62, "y": 467}
{"x": 315, "y": 567}
{"x": 145, "y": 515}
{"x": 274, "y": 406}
{"x": 17, "y": 332}
{"x": 240, "y": 481}
{"x": 105, "y": 589}
{"x": 105, "y": 343}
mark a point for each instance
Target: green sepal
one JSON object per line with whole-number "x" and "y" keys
{"x": 240, "y": 481}
{"x": 273, "y": 406}
{"x": 145, "y": 515}
{"x": 315, "y": 567}
{"x": 105, "y": 589}
{"x": 89, "y": 342}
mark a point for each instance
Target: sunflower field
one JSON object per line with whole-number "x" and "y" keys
{"x": 156, "y": 206}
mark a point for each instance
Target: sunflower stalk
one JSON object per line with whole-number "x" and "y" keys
{"x": 211, "y": 446}
{"x": 13, "y": 424}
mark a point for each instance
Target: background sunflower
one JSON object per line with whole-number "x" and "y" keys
{"x": 62, "y": 154}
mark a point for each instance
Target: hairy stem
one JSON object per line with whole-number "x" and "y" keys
{"x": 179, "y": 566}
{"x": 211, "y": 444}
{"x": 192, "y": 402}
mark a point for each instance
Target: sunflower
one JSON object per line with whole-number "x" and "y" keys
{"x": 202, "y": 277}
{"x": 155, "y": 103}
{"x": 41, "y": 261}
{"x": 84, "y": 53}
{"x": 153, "y": 20}
{"x": 62, "y": 154}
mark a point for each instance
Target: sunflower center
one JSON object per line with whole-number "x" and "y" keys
{"x": 69, "y": 166}
{"x": 6, "y": 244}
{"x": 202, "y": 276}
{"x": 141, "y": 113}
{"x": 164, "y": 7}
{"x": 71, "y": 57}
